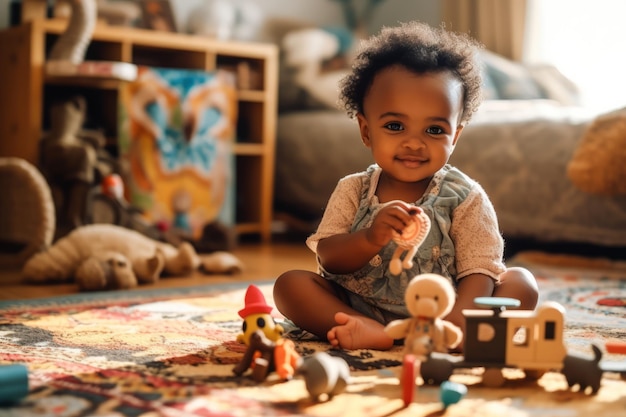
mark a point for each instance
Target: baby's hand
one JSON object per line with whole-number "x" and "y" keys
{"x": 391, "y": 220}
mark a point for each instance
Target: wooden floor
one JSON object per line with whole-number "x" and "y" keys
{"x": 261, "y": 261}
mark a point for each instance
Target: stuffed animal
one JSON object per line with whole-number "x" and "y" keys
{"x": 105, "y": 256}
{"x": 597, "y": 166}
{"x": 408, "y": 242}
{"x": 428, "y": 297}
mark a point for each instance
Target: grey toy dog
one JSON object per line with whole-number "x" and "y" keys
{"x": 324, "y": 374}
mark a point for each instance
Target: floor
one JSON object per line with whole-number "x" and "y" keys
{"x": 267, "y": 261}
{"x": 261, "y": 261}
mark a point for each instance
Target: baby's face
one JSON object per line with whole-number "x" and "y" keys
{"x": 411, "y": 122}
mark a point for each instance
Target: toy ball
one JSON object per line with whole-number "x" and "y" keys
{"x": 451, "y": 392}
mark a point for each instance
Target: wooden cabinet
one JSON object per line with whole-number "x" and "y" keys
{"x": 26, "y": 91}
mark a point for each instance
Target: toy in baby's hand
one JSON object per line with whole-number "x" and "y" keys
{"x": 105, "y": 256}
{"x": 428, "y": 297}
{"x": 409, "y": 241}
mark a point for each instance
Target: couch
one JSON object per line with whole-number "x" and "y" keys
{"x": 517, "y": 147}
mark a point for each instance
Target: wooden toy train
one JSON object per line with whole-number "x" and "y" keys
{"x": 531, "y": 341}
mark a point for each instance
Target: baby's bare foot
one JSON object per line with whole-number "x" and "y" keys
{"x": 356, "y": 332}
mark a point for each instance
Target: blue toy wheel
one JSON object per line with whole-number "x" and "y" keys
{"x": 497, "y": 304}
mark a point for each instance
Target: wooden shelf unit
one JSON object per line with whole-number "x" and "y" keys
{"x": 26, "y": 92}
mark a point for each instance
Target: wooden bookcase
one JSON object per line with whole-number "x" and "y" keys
{"x": 26, "y": 91}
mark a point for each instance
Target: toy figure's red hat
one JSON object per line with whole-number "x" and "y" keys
{"x": 255, "y": 303}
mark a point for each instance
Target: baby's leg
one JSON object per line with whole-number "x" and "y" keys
{"x": 306, "y": 299}
{"x": 312, "y": 303}
{"x": 518, "y": 283}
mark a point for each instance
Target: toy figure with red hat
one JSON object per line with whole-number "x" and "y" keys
{"x": 267, "y": 350}
{"x": 256, "y": 316}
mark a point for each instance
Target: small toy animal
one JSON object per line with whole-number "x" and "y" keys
{"x": 409, "y": 241}
{"x": 256, "y": 316}
{"x": 264, "y": 356}
{"x": 583, "y": 371}
{"x": 428, "y": 298}
{"x": 324, "y": 375}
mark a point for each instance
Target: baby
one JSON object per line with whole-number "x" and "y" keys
{"x": 412, "y": 88}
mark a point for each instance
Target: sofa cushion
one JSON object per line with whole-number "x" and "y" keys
{"x": 510, "y": 79}
{"x": 505, "y": 79}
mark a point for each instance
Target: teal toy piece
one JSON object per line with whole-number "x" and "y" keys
{"x": 451, "y": 392}
{"x": 13, "y": 383}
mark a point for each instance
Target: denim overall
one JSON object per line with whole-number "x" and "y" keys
{"x": 373, "y": 290}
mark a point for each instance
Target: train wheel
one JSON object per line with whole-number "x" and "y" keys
{"x": 493, "y": 378}
{"x": 410, "y": 364}
{"x": 533, "y": 374}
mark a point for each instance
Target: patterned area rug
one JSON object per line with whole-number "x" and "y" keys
{"x": 171, "y": 353}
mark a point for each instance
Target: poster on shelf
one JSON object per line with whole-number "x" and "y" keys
{"x": 176, "y": 135}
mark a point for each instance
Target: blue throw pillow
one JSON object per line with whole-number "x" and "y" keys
{"x": 511, "y": 80}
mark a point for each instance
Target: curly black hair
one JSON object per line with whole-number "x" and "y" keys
{"x": 419, "y": 48}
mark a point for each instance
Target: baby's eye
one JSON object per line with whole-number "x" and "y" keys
{"x": 395, "y": 126}
{"x": 435, "y": 130}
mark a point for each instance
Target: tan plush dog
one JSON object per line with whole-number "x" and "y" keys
{"x": 429, "y": 297}
{"x": 597, "y": 166}
{"x": 104, "y": 256}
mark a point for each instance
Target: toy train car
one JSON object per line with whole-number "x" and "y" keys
{"x": 522, "y": 339}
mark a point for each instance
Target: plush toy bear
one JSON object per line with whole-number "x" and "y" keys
{"x": 429, "y": 297}
{"x": 597, "y": 166}
{"x": 105, "y": 256}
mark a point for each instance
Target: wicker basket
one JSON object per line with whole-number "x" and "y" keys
{"x": 27, "y": 215}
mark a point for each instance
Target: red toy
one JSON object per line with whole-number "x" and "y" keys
{"x": 616, "y": 347}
